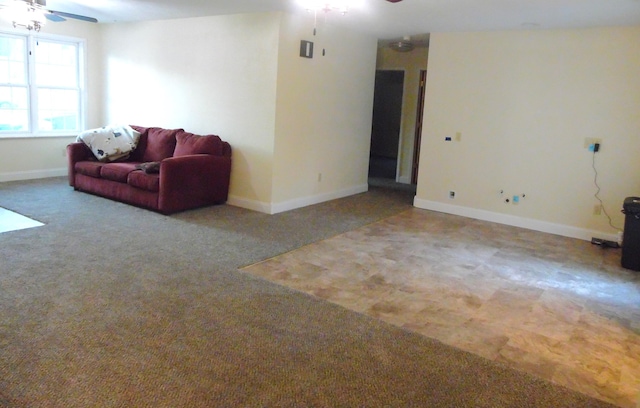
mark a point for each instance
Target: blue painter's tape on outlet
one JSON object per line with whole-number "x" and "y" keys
{"x": 516, "y": 199}
{"x": 447, "y": 139}
{"x": 592, "y": 147}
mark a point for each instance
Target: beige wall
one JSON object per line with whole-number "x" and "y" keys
{"x": 524, "y": 102}
{"x": 323, "y": 120}
{"x": 28, "y": 158}
{"x": 206, "y": 75}
{"x": 411, "y": 63}
{"x": 291, "y": 121}
{"x": 240, "y": 76}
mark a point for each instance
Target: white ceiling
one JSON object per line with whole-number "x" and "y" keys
{"x": 383, "y": 19}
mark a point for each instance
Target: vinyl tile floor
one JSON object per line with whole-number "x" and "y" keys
{"x": 559, "y": 308}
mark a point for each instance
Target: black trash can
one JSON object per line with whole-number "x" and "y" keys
{"x": 631, "y": 236}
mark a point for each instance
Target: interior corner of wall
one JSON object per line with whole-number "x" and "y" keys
{"x": 248, "y": 204}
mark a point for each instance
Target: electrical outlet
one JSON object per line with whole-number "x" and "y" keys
{"x": 458, "y": 136}
{"x": 452, "y": 194}
{"x": 319, "y": 177}
{"x": 597, "y": 209}
{"x": 590, "y": 141}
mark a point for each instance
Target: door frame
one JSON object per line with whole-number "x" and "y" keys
{"x": 415, "y": 164}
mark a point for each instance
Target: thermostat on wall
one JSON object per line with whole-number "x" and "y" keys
{"x": 306, "y": 49}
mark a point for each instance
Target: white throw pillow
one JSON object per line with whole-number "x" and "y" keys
{"x": 110, "y": 143}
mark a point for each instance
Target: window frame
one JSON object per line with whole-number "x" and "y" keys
{"x": 31, "y": 39}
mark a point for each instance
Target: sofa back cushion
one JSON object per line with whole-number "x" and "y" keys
{"x": 160, "y": 144}
{"x": 188, "y": 143}
{"x": 155, "y": 144}
{"x": 136, "y": 155}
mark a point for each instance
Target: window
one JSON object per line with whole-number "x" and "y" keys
{"x": 41, "y": 89}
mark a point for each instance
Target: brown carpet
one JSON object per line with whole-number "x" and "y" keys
{"x": 108, "y": 305}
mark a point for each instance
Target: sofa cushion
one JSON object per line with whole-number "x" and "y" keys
{"x": 88, "y": 168}
{"x": 117, "y": 171}
{"x": 188, "y": 143}
{"x": 160, "y": 144}
{"x": 144, "y": 181}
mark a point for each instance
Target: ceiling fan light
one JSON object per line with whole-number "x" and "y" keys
{"x": 341, "y": 6}
{"x": 402, "y": 46}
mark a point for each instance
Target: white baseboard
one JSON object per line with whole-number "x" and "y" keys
{"x": 32, "y": 174}
{"x": 275, "y": 208}
{"x": 252, "y": 205}
{"x": 320, "y": 198}
{"x": 536, "y": 225}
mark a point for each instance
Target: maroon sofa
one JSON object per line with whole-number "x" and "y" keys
{"x": 193, "y": 171}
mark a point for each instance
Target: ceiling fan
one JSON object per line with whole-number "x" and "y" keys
{"x": 31, "y": 14}
{"x": 406, "y": 43}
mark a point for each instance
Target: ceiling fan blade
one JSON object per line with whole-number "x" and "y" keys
{"x": 54, "y": 17}
{"x": 74, "y": 16}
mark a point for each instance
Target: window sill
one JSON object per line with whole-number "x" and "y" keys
{"x": 38, "y": 136}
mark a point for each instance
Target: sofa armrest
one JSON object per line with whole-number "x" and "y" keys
{"x": 193, "y": 181}
{"x": 76, "y": 152}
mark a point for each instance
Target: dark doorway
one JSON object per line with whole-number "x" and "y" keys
{"x": 385, "y": 130}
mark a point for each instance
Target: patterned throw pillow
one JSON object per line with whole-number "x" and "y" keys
{"x": 110, "y": 143}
